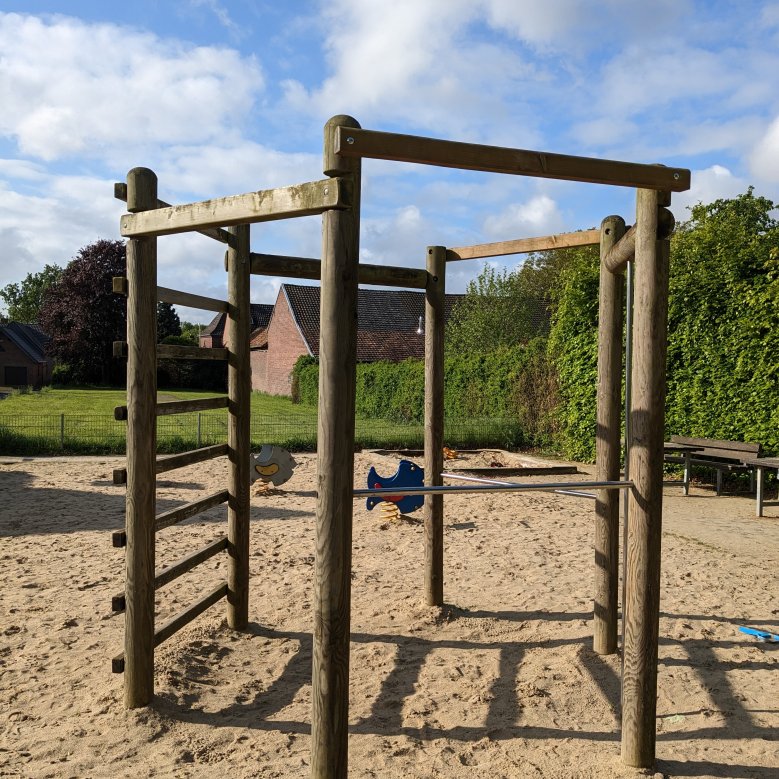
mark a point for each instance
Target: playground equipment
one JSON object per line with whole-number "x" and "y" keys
{"x": 407, "y": 476}
{"x": 644, "y": 248}
{"x": 273, "y": 465}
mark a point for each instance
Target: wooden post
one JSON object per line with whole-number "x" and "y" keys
{"x": 239, "y": 388}
{"x": 335, "y": 471}
{"x": 607, "y": 443}
{"x": 642, "y": 581}
{"x": 141, "y": 447}
{"x": 434, "y": 423}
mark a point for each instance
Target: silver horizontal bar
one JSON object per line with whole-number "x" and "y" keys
{"x": 572, "y": 493}
{"x": 491, "y": 487}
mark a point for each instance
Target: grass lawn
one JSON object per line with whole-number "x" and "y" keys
{"x": 81, "y": 421}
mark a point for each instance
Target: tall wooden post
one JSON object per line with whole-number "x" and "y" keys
{"x": 335, "y": 470}
{"x": 642, "y": 583}
{"x": 434, "y": 423}
{"x": 239, "y": 385}
{"x": 141, "y": 447}
{"x": 607, "y": 444}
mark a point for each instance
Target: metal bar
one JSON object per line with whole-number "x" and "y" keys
{"x": 493, "y": 487}
{"x": 573, "y": 493}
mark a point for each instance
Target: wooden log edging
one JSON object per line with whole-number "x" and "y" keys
{"x": 312, "y": 197}
{"x": 607, "y": 444}
{"x": 305, "y": 268}
{"x": 171, "y": 572}
{"x": 524, "y": 245}
{"x": 118, "y": 663}
{"x": 178, "y": 514}
{"x": 177, "y": 406}
{"x": 434, "y": 424}
{"x": 173, "y": 461}
{"x": 351, "y": 142}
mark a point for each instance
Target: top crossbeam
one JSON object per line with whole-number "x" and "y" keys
{"x": 265, "y": 205}
{"x": 524, "y": 245}
{"x": 351, "y": 142}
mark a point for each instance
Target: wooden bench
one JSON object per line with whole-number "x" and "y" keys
{"x": 761, "y": 464}
{"x": 720, "y": 455}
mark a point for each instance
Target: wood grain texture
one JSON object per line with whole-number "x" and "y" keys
{"x": 239, "y": 383}
{"x": 524, "y": 245}
{"x": 313, "y": 197}
{"x": 351, "y": 142}
{"x": 120, "y": 193}
{"x": 176, "y": 406}
{"x": 607, "y": 444}
{"x": 434, "y": 424}
{"x": 171, "y": 572}
{"x": 621, "y": 253}
{"x": 304, "y": 268}
{"x": 189, "y": 510}
{"x": 645, "y": 504}
{"x": 141, "y": 449}
{"x": 168, "y": 295}
{"x": 173, "y": 461}
{"x": 335, "y": 473}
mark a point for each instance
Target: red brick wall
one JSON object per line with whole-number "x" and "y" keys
{"x": 259, "y": 362}
{"x": 12, "y": 356}
{"x": 285, "y": 345}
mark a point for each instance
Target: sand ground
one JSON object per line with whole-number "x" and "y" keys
{"x": 504, "y": 683}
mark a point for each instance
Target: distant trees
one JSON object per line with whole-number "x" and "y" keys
{"x": 83, "y": 316}
{"x": 23, "y": 301}
{"x": 168, "y": 322}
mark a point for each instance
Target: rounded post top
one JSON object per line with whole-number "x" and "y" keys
{"x": 333, "y": 164}
{"x": 611, "y": 222}
{"x": 141, "y": 190}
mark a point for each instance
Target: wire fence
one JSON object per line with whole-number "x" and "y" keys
{"x": 42, "y": 434}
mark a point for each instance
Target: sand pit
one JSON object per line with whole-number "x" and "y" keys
{"x": 503, "y": 684}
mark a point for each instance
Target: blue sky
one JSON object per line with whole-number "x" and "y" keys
{"x": 222, "y": 97}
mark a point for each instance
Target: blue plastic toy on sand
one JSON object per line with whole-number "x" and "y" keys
{"x": 407, "y": 475}
{"x": 764, "y": 635}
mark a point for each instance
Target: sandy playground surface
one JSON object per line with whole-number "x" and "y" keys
{"x": 504, "y": 684}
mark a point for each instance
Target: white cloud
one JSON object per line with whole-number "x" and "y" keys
{"x": 538, "y": 216}
{"x": 764, "y": 160}
{"x": 72, "y": 88}
{"x": 707, "y": 185}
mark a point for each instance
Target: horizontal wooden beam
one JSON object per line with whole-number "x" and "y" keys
{"x": 120, "y": 193}
{"x": 622, "y": 252}
{"x": 304, "y": 268}
{"x": 351, "y": 142}
{"x": 179, "y": 621}
{"x": 173, "y": 461}
{"x": 171, "y": 572}
{"x": 168, "y": 295}
{"x": 178, "y": 407}
{"x": 266, "y": 205}
{"x": 177, "y": 352}
{"x": 174, "y": 516}
{"x": 524, "y": 245}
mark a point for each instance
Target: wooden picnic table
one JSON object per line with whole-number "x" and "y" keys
{"x": 761, "y": 464}
{"x": 685, "y": 452}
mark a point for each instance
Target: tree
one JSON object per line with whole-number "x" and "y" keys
{"x": 23, "y": 301}
{"x": 83, "y": 316}
{"x": 191, "y": 332}
{"x": 168, "y": 322}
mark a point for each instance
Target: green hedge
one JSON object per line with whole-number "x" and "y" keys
{"x": 511, "y": 384}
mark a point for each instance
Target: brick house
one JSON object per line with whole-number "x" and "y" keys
{"x": 387, "y": 325}
{"x": 213, "y": 335}
{"x": 23, "y": 359}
